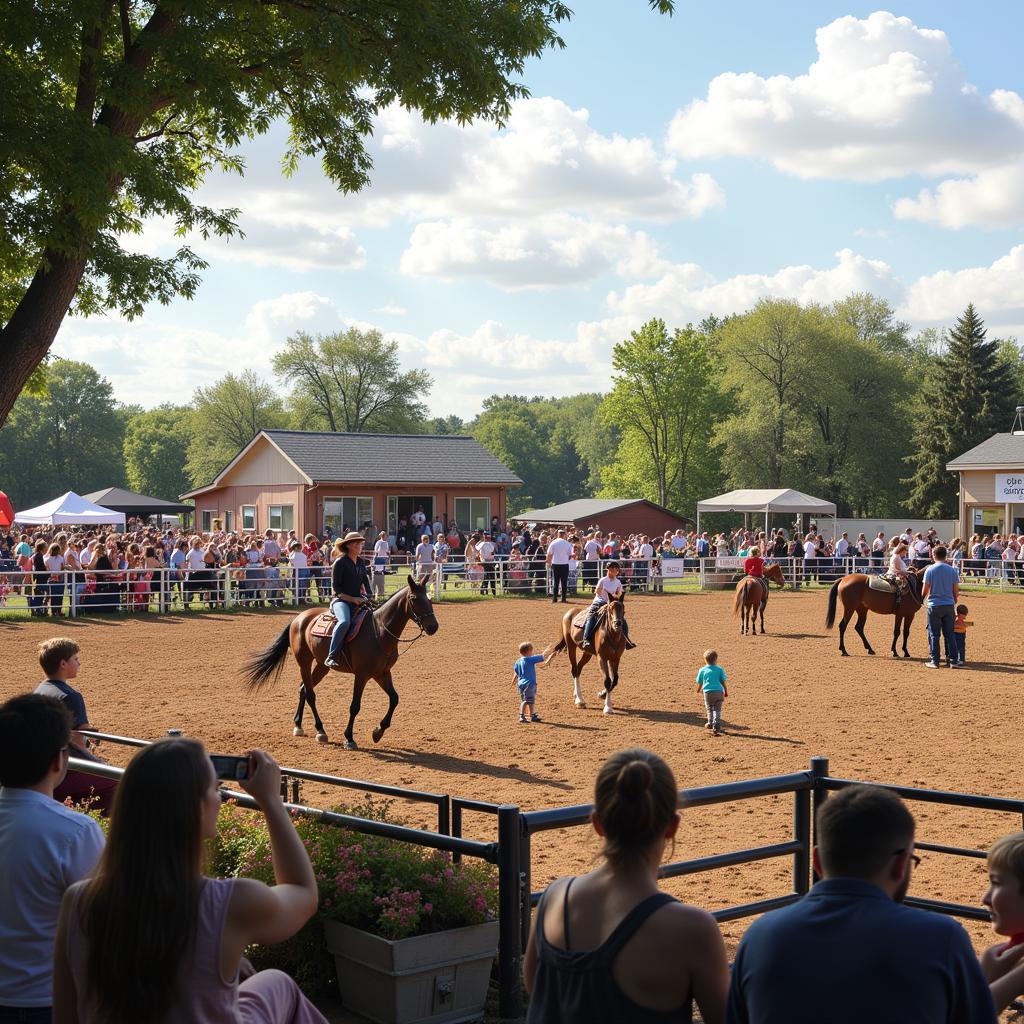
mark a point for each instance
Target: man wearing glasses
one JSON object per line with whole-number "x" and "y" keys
{"x": 849, "y": 952}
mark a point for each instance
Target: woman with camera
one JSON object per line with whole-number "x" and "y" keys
{"x": 150, "y": 937}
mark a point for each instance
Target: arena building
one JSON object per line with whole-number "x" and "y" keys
{"x": 307, "y": 481}
{"x": 992, "y": 483}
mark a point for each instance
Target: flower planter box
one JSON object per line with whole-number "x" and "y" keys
{"x": 441, "y": 978}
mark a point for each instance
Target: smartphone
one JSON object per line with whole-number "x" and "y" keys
{"x": 227, "y": 767}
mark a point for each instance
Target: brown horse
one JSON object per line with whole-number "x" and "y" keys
{"x": 609, "y": 643}
{"x": 751, "y": 596}
{"x": 370, "y": 655}
{"x": 858, "y": 597}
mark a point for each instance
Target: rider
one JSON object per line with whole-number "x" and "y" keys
{"x": 608, "y": 588}
{"x": 349, "y": 587}
{"x": 753, "y": 566}
{"x": 898, "y": 571}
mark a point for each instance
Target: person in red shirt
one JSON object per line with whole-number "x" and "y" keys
{"x": 754, "y": 564}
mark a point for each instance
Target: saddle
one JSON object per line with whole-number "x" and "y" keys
{"x": 324, "y": 623}
{"x": 581, "y": 618}
{"x": 887, "y": 584}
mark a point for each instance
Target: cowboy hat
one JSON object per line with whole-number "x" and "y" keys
{"x": 349, "y": 537}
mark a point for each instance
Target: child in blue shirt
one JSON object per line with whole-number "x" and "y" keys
{"x": 525, "y": 670}
{"x": 711, "y": 679}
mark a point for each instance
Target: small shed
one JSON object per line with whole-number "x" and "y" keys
{"x": 768, "y": 502}
{"x": 617, "y": 515}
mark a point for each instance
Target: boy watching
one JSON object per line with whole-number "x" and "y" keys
{"x": 960, "y": 624}
{"x": 711, "y": 680}
{"x": 59, "y": 659}
{"x": 1003, "y": 963}
{"x": 44, "y": 848}
{"x": 525, "y": 669}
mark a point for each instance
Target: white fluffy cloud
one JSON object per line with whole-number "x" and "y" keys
{"x": 997, "y": 291}
{"x": 885, "y": 98}
{"x": 992, "y": 198}
{"x": 543, "y": 253}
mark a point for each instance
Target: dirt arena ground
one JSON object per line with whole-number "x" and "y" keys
{"x": 791, "y": 696}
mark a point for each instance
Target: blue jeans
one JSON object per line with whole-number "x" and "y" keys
{"x": 343, "y": 613}
{"x": 940, "y": 623}
{"x": 961, "y": 646}
{"x": 26, "y": 1014}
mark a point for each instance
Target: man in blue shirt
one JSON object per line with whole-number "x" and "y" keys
{"x": 849, "y": 952}
{"x": 941, "y": 590}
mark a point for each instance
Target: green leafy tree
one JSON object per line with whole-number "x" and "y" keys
{"x": 666, "y": 402}
{"x": 155, "y": 443}
{"x": 226, "y": 416}
{"x": 873, "y": 320}
{"x": 969, "y": 396}
{"x": 352, "y": 381}
{"x": 68, "y": 439}
{"x": 114, "y": 112}
{"x": 445, "y": 425}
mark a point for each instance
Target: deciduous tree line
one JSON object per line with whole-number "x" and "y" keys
{"x": 841, "y": 401}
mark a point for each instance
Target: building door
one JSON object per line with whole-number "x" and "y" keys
{"x": 402, "y": 506}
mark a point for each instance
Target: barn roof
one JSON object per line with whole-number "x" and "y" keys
{"x": 999, "y": 450}
{"x": 586, "y": 509}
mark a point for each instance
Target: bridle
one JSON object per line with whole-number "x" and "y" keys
{"x": 414, "y": 616}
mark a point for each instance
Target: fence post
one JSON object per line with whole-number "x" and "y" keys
{"x": 456, "y": 827}
{"x": 73, "y": 605}
{"x": 444, "y": 815}
{"x": 819, "y": 771}
{"x": 526, "y": 889}
{"x": 802, "y": 834}
{"x": 510, "y": 1000}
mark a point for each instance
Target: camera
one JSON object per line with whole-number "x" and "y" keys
{"x": 234, "y": 769}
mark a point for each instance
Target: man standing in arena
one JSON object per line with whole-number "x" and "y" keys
{"x": 558, "y": 554}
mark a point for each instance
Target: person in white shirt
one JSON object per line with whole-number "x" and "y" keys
{"x": 485, "y": 553}
{"x": 379, "y": 564}
{"x": 418, "y": 518}
{"x": 842, "y": 548}
{"x": 922, "y": 549}
{"x": 645, "y": 555}
{"x": 299, "y": 562}
{"x": 678, "y": 540}
{"x": 559, "y": 553}
{"x": 44, "y": 848}
{"x": 608, "y": 588}
{"x": 195, "y": 563}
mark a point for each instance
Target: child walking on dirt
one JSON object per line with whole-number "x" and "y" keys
{"x": 960, "y": 624}
{"x": 711, "y": 680}
{"x": 525, "y": 669}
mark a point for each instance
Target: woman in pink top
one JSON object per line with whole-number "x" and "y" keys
{"x": 150, "y": 937}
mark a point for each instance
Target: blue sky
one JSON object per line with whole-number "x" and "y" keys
{"x": 662, "y": 167}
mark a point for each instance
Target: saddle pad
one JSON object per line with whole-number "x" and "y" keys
{"x": 877, "y": 583}
{"x": 324, "y": 624}
{"x": 581, "y": 618}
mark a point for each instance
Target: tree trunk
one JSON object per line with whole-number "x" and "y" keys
{"x": 28, "y": 335}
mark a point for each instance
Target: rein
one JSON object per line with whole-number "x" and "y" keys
{"x": 415, "y": 618}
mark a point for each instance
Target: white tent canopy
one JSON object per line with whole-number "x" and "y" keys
{"x": 69, "y": 509}
{"x": 768, "y": 501}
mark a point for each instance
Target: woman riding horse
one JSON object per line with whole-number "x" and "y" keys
{"x": 350, "y": 588}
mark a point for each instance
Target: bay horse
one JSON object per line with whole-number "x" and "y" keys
{"x": 609, "y": 643}
{"x": 370, "y": 655}
{"x": 858, "y": 597}
{"x": 751, "y": 597}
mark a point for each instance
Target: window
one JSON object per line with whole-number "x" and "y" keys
{"x": 279, "y": 517}
{"x": 248, "y": 517}
{"x": 347, "y": 513}
{"x": 229, "y": 521}
{"x": 207, "y": 519}
{"x": 473, "y": 513}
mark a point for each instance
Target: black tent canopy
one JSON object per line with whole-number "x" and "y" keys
{"x": 133, "y": 504}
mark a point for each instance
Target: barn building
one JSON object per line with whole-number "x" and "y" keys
{"x": 992, "y": 483}
{"x": 307, "y": 481}
{"x": 614, "y": 515}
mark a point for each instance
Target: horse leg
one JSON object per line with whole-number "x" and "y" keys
{"x": 895, "y": 633}
{"x": 298, "y": 730}
{"x": 752, "y": 612}
{"x": 842, "y": 634}
{"x": 862, "y": 614}
{"x": 317, "y": 674}
{"x": 608, "y": 685}
{"x": 357, "y": 700}
{"x": 906, "y": 635}
{"x": 576, "y": 668}
{"x": 388, "y": 686}
{"x": 763, "y": 603}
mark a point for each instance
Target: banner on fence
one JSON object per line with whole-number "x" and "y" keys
{"x": 729, "y": 562}
{"x": 671, "y": 568}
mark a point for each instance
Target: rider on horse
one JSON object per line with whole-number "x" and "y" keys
{"x": 350, "y": 586}
{"x": 753, "y": 566}
{"x": 608, "y": 589}
{"x": 898, "y": 572}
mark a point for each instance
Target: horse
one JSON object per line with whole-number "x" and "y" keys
{"x": 370, "y": 655}
{"x": 751, "y": 596}
{"x": 858, "y": 597}
{"x": 609, "y": 643}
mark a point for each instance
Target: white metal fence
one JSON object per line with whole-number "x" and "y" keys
{"x": 79, "y": 592}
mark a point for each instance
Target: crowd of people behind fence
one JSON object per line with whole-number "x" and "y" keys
{"x": 111, "y": 571}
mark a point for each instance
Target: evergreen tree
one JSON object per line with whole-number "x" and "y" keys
{"x": 969, "y": 396}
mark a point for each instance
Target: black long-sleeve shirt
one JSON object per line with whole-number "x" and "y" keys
{"x": 348, "y": 577}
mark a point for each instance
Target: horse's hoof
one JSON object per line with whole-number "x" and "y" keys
{"x": 580, "y": 704}
{"x": 351, "y": 745}
{"x": 601, "y": 694}
{"x": 906, "y": 654}
{"x": 376, "y": 734}
{"x": 845, "y": 654}
{"x": 321, "y": 737}
{"x": 871, "y": 652}
{"x": 298, "y": 731}
{"x": 606, "y": 711}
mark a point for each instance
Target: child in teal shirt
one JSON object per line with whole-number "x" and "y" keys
{"x": 711, "y": 680}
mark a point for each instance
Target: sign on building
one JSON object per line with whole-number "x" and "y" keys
{"x": 1010, "y": 487}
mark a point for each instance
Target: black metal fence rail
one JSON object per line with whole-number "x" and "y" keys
{"x": 511, "y": 852}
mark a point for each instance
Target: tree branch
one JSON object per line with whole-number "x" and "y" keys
{"x": 126, "y": 25}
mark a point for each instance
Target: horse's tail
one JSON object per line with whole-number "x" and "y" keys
{"x": 265, "y": 667}
{"x": 738, "y": 603}
{"x": 833, "y": 596}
